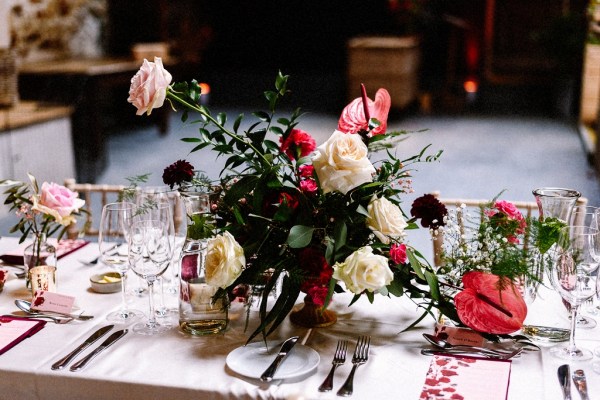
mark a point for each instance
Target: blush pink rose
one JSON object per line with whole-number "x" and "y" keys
{"x": 57, "y": 201}
{"x": 298, "y": 144}
{"x": 148, "y": 88}
{"x": 353, "y": 118}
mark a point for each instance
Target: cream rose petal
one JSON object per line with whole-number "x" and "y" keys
{"x": 224, "y": 260}
{"x": 385, "y": 219}
{"x": 341, "y": 163}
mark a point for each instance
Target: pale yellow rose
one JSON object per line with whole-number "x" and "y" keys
{"x": 148, "y": 88}
{"x": 385, "y": 219}
{"x": 363, "y": 270}
{"x": 224, "y": 260}
{"x": 342, "y": 163}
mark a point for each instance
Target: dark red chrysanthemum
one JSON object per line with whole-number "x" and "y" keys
{"x": 177, "y": 173}
{"x": 429, "y": 210}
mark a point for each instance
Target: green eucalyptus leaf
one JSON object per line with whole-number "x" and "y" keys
{"x": 300, "y": 236}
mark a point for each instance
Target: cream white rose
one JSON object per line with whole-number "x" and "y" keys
{"x": 148, "y": 88}
{"x": 363, "y": 270}
{"x": 341, "y": 163}
{"x": 224, "y": 260}
{"x": 385, "y": 219}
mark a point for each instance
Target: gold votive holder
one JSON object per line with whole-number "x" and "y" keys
{"x": 43, "y": 278}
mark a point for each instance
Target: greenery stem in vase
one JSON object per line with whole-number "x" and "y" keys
{"x": 43, "y": 211}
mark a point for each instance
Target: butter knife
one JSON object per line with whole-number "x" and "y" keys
{"x": 564, "y": 375}
{"x": 267, "y": 376}
{"x": 95, "y": 336}
{"x": 580, "y": 383}
{"x": 107, "y": 343}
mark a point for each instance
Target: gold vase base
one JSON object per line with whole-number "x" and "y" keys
{"x": 313, "y": 316}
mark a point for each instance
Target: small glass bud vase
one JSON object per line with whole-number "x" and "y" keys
{"x": 40, "y": 252}
{"x": 199, "y": 312}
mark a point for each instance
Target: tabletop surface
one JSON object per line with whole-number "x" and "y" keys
{"x": 175, "y": 366}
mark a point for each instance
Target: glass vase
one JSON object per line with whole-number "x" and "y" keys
{"x": 200, "y": 313}
{"x": 552, "y": 203}
{"x": 38, "y": 253}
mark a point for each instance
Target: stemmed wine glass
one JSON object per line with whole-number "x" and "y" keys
{"x": 574, "y": 277}
{"x": 149, "y": 257}
{"x": 115, "y": 226}
{"x": 153, "y": 203}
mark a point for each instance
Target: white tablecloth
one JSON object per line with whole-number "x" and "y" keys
{"x": 176, "y": 366}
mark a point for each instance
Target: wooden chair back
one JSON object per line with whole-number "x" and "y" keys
{"x": 96, "y": 196}
{"x": 528, "y": 209}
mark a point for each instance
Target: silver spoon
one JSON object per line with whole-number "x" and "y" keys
{"x": 24, "y": 305}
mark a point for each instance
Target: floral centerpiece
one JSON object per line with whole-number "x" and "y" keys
{"x": 324, "y": 218}
{"x": 490, "y": 260}
{"x": 43, "y": 211}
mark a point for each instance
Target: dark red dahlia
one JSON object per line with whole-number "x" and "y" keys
{"x": 429, "y": 210}
{"x": 177, "y": 173}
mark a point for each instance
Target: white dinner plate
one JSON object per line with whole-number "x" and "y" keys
{"x": 252, "y": 360}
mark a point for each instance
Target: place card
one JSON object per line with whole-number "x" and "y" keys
{"x": 52, "y": 302}
{"x": 456, "y": 335}
{"x": 13, "y": 330}
{"x": 460, "y": 377}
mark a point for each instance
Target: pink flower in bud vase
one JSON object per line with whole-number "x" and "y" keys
{"x": 57, "y": 201}
{"x": 353, "y": 118}
{"x": 148, "y": 88}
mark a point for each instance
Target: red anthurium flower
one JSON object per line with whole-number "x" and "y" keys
{"x": 353, "y": 118}
{"x": 484, "y": 307}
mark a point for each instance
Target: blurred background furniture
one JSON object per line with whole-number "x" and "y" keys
{"x": 93, "y": 87}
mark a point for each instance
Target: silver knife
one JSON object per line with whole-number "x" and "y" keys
{"x": 580, "y": 383}
{"x": 564, "y": 375}
{"x": 95, "y": 336}
{"x": 267, "y": 376}
{"x": 111, "y": 339}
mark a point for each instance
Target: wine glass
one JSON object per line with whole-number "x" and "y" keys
{"x": 587, "y": 216}
{"x": 149, "y": 257}
{"x": 115, "y": 226}
{"x": 153, "y": 203}
{"x": 573, "y": 277}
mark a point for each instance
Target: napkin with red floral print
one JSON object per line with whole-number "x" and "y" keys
{"x": 466, "y": 378}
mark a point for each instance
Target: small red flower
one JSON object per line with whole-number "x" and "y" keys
{"x": 298, "y": 144}
{"x": 398, "y": 253}
{"x": 177, "y": 173}
{"x": 317, "y": 272}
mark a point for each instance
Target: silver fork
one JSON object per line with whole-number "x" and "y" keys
{"x": 338, "y": 359}
{"x": 361, "y": 355}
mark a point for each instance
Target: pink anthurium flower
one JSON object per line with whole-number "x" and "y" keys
{"x": 354, "y": 120}
{"x": 484, "y": 307}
